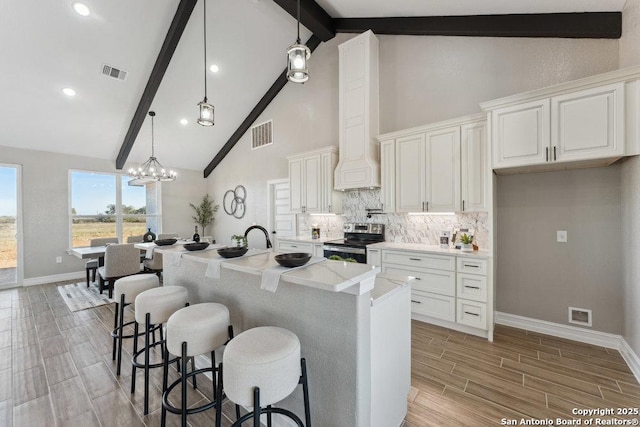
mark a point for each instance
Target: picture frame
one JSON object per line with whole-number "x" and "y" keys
{"x": 457, "y": 232}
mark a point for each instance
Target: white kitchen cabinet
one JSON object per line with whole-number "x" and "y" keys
{"x": 374, "y": 257}
{"x": 311, "y": 182}
{"x": 410, "y": 173}
{"x": 388, "y": 175}
{"x": 473, "y": 167}
{"x": 284, "y": 245}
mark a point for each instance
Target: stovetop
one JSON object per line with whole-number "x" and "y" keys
{"x": 360, "y": 235}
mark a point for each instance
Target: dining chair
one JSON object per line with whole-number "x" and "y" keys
{"x": 120, "y": 260}
{"x": 154, "y": 265}
{"x": 135, "y": 239}
{"x": 167, "y": 236}
{"x": 92, "y": 265}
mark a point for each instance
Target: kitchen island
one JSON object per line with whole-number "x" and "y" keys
{"x": 354, "y": 328}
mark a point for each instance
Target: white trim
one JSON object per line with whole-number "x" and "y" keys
{"x": 482, "y": 333}
{"x": 32, "y": 281}
{"x": 459, "y": 121}
{"x": 630, "y": 357}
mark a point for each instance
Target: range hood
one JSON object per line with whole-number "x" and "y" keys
{"x": 359, "y": 161}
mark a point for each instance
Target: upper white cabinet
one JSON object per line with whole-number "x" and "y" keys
{"x": 440, "y": 167}
{"x": 311, "y": 182}
{"x": 588, "y": 122}
{"x": 358, "y": 113}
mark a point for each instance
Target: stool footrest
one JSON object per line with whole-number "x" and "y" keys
{"x": 114, "y": 331}
{"x": 194, "y": 410}
{"x": 134, "y": 361}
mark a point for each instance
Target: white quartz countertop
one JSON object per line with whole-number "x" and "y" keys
{"x": 386, "y": 285}
{"x": 432, "y": 249}
{"x": 333, "y": 276}
{"x": 308, "y": 239}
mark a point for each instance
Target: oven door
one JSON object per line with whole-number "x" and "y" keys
{"x": 344, "y": 252}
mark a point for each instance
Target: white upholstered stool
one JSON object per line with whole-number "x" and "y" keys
{"x": 153, "y": 309}
{"x": 126, "y": 290}
{"x": 191, "y": 331}
{"x": 260, "y": 367}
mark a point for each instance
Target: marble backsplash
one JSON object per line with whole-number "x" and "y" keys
{"x": 424, "y": 229}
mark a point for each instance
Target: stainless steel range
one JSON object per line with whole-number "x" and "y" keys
{"x": 355, "y": 241}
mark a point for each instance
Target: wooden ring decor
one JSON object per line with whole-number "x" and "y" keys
{"x": 233, "y": 201}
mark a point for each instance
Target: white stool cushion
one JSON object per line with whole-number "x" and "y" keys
{"x": 265, "y": 357}
{"x": 161, "y": 303}
{"x": 204, "y": 327}
{"x": 131, "y": 286}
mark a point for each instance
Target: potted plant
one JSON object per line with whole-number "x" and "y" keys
{"x": 238, "y": 241}
{"x": 466, "y": 242}
{"x": 205, "y": 212}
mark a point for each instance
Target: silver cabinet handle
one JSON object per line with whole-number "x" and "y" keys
{"x": 422, "y": 206}
{"x": 416, "y": 302}
{"x": 546, "y": 153}
{"x": 417, "y": 278}
{"x": 472, "y": 287}
{"x": 415, "y": 259}
{"x": 471, "y": 265}
{"x": 329, "y": 208}
{"x": 463, "y": 206}
{"x": 554, "y": 154}
{"x": 472, "y": 314}
{"x": 427, "y": 206}
{"x": 293, "y": 246}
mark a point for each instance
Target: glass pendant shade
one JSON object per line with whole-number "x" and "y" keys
{"x": 206, "y": 113}
{"x": 152, "y": 169}
{"x": 297, "y": 57}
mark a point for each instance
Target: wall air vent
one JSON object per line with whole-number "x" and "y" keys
{"x": 580, "y": 316}
{"x": 262, "y": 135}
{"x": 109, "y": 71}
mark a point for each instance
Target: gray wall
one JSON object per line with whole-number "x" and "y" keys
{"x": 630, "y": 55}
{"x": 540, "y": 278}
{"x": 422, "y": 80}
{"x": 45, "y": 198}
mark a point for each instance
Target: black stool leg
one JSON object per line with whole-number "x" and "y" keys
{"x": 256, "y": 407}
{"x": 269, "y": 417}
{"x": 116, "y": 311}
{"x": 165, "y": 379}
{"x": 193, "y": 368}
{"x": 136, "y": 331}
{"x": 147, "y": 324}
{"x": 214, "y": 381}
{"x": 184, "y": 384}
{"x": 120, "y": 328}
{"x": 219, "y": 394}
{"x": 305, "y": 392}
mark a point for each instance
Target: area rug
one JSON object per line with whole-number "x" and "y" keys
{"x": 78, "y": 297}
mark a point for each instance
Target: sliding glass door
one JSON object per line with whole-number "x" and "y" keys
{"x": 10, "y": 227}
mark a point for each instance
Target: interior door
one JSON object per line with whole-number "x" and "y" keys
{"x": 10, "y": 226}
{"x": 282, "y": 221}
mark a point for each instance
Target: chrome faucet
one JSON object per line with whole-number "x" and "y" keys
{"x": 259, "y": 227}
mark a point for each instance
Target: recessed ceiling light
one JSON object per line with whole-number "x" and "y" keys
{"x": 184, "y": 122}
{"x": 214, "y": 68}
{"x": 81, "y": 9}
{"x": 68, "y": 91}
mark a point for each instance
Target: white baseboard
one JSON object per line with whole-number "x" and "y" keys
{"x": 32, "y": 281}
{"x": 574, "y": 333}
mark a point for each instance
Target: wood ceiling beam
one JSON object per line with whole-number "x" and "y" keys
{"x": 312, "y": 16}
{"x": 593, "y": 25}
{"x": 180, "y": 20}
{"x": 264, "y": 102}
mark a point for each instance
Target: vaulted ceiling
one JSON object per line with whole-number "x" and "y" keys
{"x": 47, "y": 47}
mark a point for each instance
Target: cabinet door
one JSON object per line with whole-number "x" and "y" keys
{"x": 442, "y": 159}
{"x": 473, "y": 171}
{"x": 410, "y": 178}
{"x": 588, "y": 124}
{"x": 388, "y": 175}
{"x": 296, "y": 185}
{"x": 331, "y": 200}
{"x": 374, "y": 257}
{"x": 520, "y": 134}
{"x": 312, "y": 183}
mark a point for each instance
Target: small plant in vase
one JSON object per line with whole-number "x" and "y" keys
{"x": 466, "y": 242}
{"x": 205, "y": 213}
{"x": 238, "y": 241}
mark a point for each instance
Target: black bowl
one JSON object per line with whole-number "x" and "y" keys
{"x": 295, "y": 259}
{"x": 195, "y": 246}
{"x": 232, "y": 252}
{"x": 165, "y": 242}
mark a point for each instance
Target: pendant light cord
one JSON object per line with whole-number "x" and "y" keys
{"x": 152, "y": 145}
{"x": 298, "y": 42}
{"x": 204, "y": 20}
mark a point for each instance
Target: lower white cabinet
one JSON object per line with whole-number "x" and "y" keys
{"x": 374, "y": 257}
{"x": 314, "y": 249}
{"x": 434, "y": 305}
{"x": 472, "y": 313}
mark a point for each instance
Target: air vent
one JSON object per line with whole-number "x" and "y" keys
{"x": 109, "y": 71}
{"x": 262, "y": 135}
{"x": 580, "y": 316}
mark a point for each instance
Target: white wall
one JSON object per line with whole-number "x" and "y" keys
{"x": 45, "y": 196}
{"x": 630, "y": 55}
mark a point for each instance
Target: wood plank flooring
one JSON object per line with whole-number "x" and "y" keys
{"x": 56, "y": 370}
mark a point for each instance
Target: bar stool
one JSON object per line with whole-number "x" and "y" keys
{"x": 126, "y": 290}
{"x": 153, "y": 309}
{"x": 260, "y": 367}
{"x": 191, "y": 331}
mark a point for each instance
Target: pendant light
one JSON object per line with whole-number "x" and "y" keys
{"x": 206, "y": 109}
{"x": 152, "y": 169}
{"x": 297, "y": 57}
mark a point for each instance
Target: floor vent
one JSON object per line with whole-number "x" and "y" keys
{"x": 109, "y": 71}
{"x": 580, "y": 316}
{"x": 262, "y": 135}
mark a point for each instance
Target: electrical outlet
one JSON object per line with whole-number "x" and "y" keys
{"x": 561, "y": 236}
{"x": 59, "y": 260}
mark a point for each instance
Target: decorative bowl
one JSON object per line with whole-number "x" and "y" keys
{"x": 195, "y": 246}
{"x": 294, "y": 259}
{"x": 165, "y": 242}
{"x": 232, "y": 251}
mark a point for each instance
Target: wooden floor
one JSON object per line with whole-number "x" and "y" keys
{"x": 56, "y": 370}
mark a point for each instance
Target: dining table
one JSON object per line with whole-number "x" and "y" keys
{"x": 90, "y": 252}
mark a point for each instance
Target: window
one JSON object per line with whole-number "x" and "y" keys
{"x": 104, "y": 205}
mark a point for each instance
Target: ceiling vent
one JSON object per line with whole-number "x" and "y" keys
{"x": 262, "y": 135}
{"x": 109, "y": 71}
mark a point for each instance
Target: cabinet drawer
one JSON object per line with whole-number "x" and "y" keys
{"x": 373, "y": 256}
{"x": 419, "y": 260}
{"x": 436, "y": 281}
{"x": 472, "y": 286}
{"x": 472, "y": 314}
{"x": 439, "y": 306}
{"x": 472, "y": 265}
{"x": 295, "y": 247}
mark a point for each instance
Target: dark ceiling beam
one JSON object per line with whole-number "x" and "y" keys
{"x": 594, "y": 25}
{"x": 264, "y": 102}
{"x": 180, "y": 19}
{"x": 312, "y": 16}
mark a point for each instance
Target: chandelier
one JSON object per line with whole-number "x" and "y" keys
{"x": 152, "y": 169}
{"x": 297, "y": 56}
